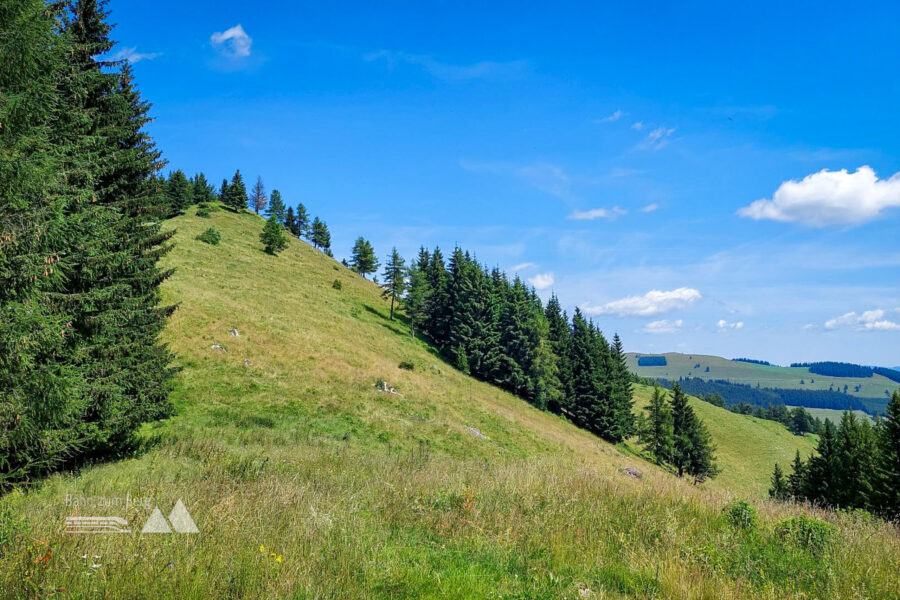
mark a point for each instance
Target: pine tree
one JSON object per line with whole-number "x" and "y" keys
{"x": 585, "y": 398}
{"x": 258, "y": 198}
{"x": 394, "y": 278}
{"x": 418, "y": 295}
{"x": 821, "y": 474}
{"x": 436, "y": 324}
{"x": 223, "y": 192}
{"x": 693, "y": 450}
{"x": 887, "y": 497}
{"x": 796, "y": 482}
{"x": 203, "y": 191}
{"x": 236, "y": 193}
{"x": 621, "y": 393}
{"x": 857, "y": 455}
{"x": 320, "y": 237}
{"x": 301, "y": 222}
{"x": 179, "y": 191}
{"x": 290, "y": 221}
{"x": 659, "y": 436}
{"x": 558, "y": 336}
{"x": 779, "y": 489}
{"x": 276, "y": 207}
{"x": 273, "y": 237}
{"x": 362, "y": 258}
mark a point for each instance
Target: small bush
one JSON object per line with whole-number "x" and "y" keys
{"x": 805, "y": 533}
{"x": 335, "y": 267}
{"x": 406, "y": 365}
{"x": 210, "y": 236}
{"x": 204, "y": 212}
{"x": 337, "y": 284}
{"x": 742, "y": 516}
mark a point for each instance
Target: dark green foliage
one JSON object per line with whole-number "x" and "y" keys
{"x": 272, "y": 237}
{"x": 203, "y": 191}
{"x": 319, "y": 235}
{"x": 336, "y": 284}
{"x": 235, "y": 195}
{"x": 659, "y": 436}
{"x": 276, "y": 207}
{"x": 742, "y": 516}
{"x": 752, "y": 361}
{"x": 81, "y": 366}
{"x": 406, "y": 366}
{"x": 301, "y": 227}
{"x": 180, "y": 192}
{"x": 693, "y": 449}
{"x": 204, "y": 212}
{"x": 780, "y": 489}
{"x": 651, "y": 361}
{"x": 362, "y": 257}
{"x": 210, "y": 236}
{"x": 290, "y": 221}
{"x": 418, "y": 296}
{"x": 888, "y": 491}
{"x": 394, "y": 278}
{"x": 836, "y": 369}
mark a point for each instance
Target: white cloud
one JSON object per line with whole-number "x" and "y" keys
{"x": 523, "y": 266}
{"x": 233, "y": 42}
{"x": 652, "y": 303}
{"x": 598, "y": 213}
{"x": 663, "y": 326}
{"x": 612, "y": 118}
{"x": 725, "y": 325}
{"x": 829, "y": 198}
{"x": 870, "y": 320}
{"x": 649, "y": 208}
{"x": 541, "y": 281}
{"x": 637, "y": 125}
{"x": 657, "y": 139}
{"x": 133, "y": 56}
{"x": 485, "y": 69}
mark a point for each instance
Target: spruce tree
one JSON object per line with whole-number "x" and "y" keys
{"x": 223, "y": 192}
{"x": 272, "y": 236}
{"x": 362, "y": 257}
{"x": 693, "y": 449}
{"x": 236, "y": 193}
{"x": 436, "y": 324}
{"x": 888, "y": 491}
{"x": 301, "y": 222}
{"x": 558, "y": 337}
{"x": 290, "y": 221}
{"x": 180, "y": 192}
{"x": 418, "y": 295}
{"x": 796, "y": 481}
{"x": 659, "y": 436}
{"x": 621, "y": 393}
{"x": 276, "y": 207}
{"x": 258, "y": 198}
{"x": 203, "y": 191}
{"x": 779, "y": 489}
{"x": 585, "y": 398}
{"x": 394, "y": 278}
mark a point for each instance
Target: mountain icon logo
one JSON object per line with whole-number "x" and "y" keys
{"x": 180, "y": 519}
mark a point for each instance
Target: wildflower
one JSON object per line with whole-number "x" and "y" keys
{"x": 262, "y": 548}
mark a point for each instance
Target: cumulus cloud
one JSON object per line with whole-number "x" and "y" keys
{"x": 649, "y": 208}
{"x": 133, "y": 56}
{"x": 233, "y": 42}
{"x": 724, "y": 325}
{"x": 598, "y": 213}
{"x": 612, "y": 118}
{"x": 869, "y": 320}
{"x": 541, "y": 281}
{"x": 652, "y": 303}
{"x": 663, "y": 326}
{"x": 829, "y": 198}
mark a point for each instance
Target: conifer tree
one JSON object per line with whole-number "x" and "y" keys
{"x": 320, "y": 236}
{"x": 821, "y": 474}
{"x": 236, "y": 193}
{"x": 659, "y": 435}
{"x": 179, "y": 191}
{"x": 558, "y": 337}
{"x": 362, "y": 258}
{"x": 301, "y": 222}
{"x": 796, "y": 482}
{"x": 203, "y": 191}
{"x": 693, "y": 450}
{"x": 223, "y": 192}
{"x": 888, "y": 493}
{"x": 620, "y": 395}
{"x": 437, "y": 325}
{"x": 290, "y": 221}
{"x": 779, "y": 489}
{"x": 276, "y": 207}
{"x": 418, "y": 295}
{"x": 585, "y": 380}
{"x": 272, "y": 236}
{"x": 258, "y": 198}
{"x": 394, "y": 278}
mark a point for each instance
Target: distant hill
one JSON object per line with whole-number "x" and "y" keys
{"x": 873, "y": 391}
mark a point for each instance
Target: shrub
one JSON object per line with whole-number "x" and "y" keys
{"x": 805, "y": 533}
{"x": 337, "y": 284}
{"x": 210, "y": 236}
{"x": 204, "y": 212}
{"x": 406, "y": 365}
{"x": 742, "y": 515}
{"x": 273, "y": 237}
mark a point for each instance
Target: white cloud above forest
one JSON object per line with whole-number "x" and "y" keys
{"x": 233, "y": 42}
{"x": 652, "y": 303}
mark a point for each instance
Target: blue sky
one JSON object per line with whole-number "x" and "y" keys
{"x": 699, "y": 178}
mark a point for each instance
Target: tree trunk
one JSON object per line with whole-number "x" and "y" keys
{"x": 392, "y": 307}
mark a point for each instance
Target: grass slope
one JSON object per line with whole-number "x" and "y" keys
{"x": 686, "y": 365}
{"x": 306, "y": 482}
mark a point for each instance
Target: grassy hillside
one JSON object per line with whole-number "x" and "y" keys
{"x": 834, "y": 415}
{"x": 694, "y": 365}
{"x": 307, "y": 482}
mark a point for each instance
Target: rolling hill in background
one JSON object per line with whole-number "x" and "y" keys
{"x": 870, "y": 393}
{"x": 306, "y": 481}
